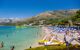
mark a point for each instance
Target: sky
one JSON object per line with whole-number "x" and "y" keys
{"x": 29, "y": 8}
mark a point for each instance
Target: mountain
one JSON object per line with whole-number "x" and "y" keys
{"x": 53, "y": 17}
{"x": 57, "y": 13}
{"x": 48, "y": 17}
{"x": 10, "y": 20}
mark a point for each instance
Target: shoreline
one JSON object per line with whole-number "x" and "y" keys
{"x": 42, "y": 34}
{"x": 47, "y": 33}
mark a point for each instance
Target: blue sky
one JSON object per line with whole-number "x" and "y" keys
{"x": 28, "y": 8}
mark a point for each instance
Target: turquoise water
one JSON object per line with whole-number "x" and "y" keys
{"x": 21, "y": 38}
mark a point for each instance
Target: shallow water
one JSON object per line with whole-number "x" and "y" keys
{"x": 21, "y": 38}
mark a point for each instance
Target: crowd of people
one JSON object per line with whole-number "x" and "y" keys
{"x": 68, "y": 35}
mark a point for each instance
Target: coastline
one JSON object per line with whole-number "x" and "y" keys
{"x": 24, "y": 38}
{"x": 60, "y": 35}
{"x": 41, "y": 36}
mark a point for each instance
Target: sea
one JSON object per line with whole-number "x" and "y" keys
{"x": 20, "y": 38}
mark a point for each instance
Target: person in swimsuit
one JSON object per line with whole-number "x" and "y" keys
{"x": 30, "y": 47}
{"x": 2, "y": 44}
{"x": 12, "y": 48}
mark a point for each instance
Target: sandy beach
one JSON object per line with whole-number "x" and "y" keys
{"x": 50, "y": 35}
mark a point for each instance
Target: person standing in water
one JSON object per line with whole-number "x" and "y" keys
{"x": 12, "y": 48}
{"x": 30, "y": 47}
{"x": 2, "y": 44}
